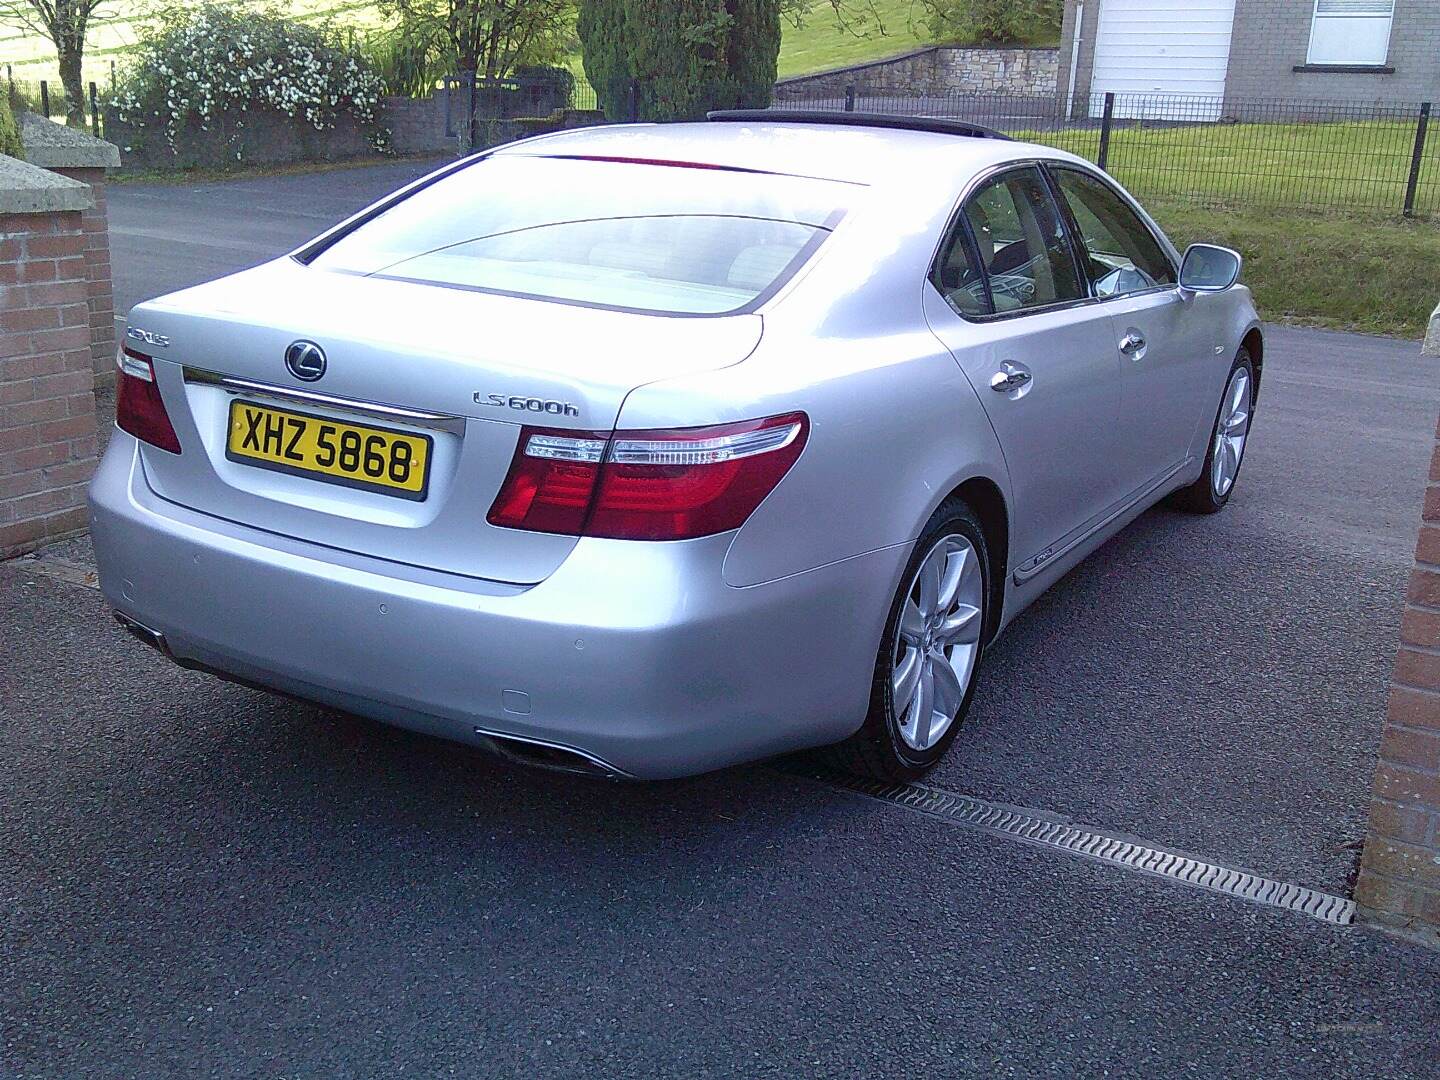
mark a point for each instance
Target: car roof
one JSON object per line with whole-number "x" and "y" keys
{"x": 850, "y": 153}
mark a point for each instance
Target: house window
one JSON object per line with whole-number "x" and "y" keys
{"x": 1351, "y": 31}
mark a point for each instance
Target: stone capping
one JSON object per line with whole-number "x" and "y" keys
{"x": 55, "y": 146}
{"x": 886, "y": 61}
{"x": 29, "y": 189}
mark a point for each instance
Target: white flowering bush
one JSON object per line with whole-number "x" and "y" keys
{"x": 208, "y": 67}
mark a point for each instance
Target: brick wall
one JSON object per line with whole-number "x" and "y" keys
{"x": 99, "y": 291}
{"x": 47, "y": 402}
{"x": 1400, "y": 871}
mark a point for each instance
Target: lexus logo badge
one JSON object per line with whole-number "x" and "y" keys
{"x": 306, "y": 360}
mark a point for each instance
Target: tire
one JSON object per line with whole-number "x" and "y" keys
{"x": 1206, "y": 495}
{"x": 885, "y": 748}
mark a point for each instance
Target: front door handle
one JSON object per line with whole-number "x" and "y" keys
{"x": 1133, "y": 344}
{"x": 1010, "y": 378}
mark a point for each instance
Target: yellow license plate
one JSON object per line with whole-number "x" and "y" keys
{"x": 323, "y": 448}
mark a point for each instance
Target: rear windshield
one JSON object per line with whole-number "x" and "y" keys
{"x": 644, "y": 237}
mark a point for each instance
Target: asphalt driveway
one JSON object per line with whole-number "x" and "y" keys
{"x": 202, "y": 879}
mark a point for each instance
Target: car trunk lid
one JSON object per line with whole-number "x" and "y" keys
{"x": 461, "y": 368}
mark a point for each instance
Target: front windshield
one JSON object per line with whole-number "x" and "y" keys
{"x": 678, "y": 240}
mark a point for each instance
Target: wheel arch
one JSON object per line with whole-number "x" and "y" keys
{"x": 1254, "y": 343}
{"x": 985, "y": 498}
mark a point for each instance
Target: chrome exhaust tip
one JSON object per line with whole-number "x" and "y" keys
{"x": 549, "y": 756}
{"x": 154, "y": 638}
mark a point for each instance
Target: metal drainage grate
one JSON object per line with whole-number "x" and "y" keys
{"x": 1029, "y": 826}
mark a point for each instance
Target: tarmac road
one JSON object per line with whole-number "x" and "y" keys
{"x": 199, "y": 879}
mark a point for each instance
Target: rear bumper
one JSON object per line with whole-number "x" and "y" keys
{"x": 636, "y": 655}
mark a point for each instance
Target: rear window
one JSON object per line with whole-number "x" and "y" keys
{"x": 655, "y": 238}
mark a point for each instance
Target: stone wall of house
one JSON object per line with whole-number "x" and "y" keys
{"x": 933, "y": 72}
{"x": 1269, "y": 46}
{"x": 47, "y": 397}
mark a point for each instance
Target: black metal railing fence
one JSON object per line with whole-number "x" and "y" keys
{"x": 1307, "y": 155}
{"x": 1371, "y": 157}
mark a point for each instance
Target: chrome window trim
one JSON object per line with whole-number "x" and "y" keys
{"x": 374, "y": 409}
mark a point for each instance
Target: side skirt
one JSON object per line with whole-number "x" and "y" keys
{"x": 1028, "y": 569}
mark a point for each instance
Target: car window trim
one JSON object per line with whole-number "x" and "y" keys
{"x": 1071, "y": 231}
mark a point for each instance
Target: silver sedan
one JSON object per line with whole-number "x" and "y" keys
{"x": 645, "y": 450}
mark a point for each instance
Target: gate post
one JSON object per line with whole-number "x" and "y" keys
{"x": 1416, "y": 156}
{"x": 47, "y": 395}
{"x": 1104, "y": 155}
{"x": 1399, "y": 885}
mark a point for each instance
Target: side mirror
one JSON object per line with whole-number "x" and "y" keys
{"x": 1207, "y": 268}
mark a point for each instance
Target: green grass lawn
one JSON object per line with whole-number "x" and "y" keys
{"x": 1372, "y": 275}
{"x": 819, "y": 43}
{"x": 885, "y": 28}
{"x": 1346, "y": 167}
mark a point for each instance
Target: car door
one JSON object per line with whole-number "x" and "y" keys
{"x": 1162, "y": 337}
{"x": 1009, "y": 303}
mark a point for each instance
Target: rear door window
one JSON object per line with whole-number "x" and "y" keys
{"x": 1022, "y": 244}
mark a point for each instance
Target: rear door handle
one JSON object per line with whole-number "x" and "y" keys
{"x": 1009, "y": 378}
{"x": 1133, "y": 344}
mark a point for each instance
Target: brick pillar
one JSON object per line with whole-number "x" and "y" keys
{"x": 99, "y": 292}
{"x": 47, "y": 400}
{"x": 72, "y": 153}
{"x": 1399, "y": 884}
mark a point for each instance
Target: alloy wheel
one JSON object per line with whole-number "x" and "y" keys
{"x": 937, "y": 641}
{"x": 1230, "y": 433}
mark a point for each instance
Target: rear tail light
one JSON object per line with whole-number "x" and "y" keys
{"x": 647, "y": 485}
{"x": 139, "y": 408}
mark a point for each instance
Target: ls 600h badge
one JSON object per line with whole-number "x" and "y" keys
{"x": 527, "y": 404}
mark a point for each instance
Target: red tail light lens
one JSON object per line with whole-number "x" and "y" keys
{"x": 647, "y": 485}
{"x": 551, "y": 481}
{"x": 139, "y": 408}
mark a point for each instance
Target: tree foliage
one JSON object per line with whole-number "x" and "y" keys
{"x": 210, "y": 65}
{"x": 65, "y": 23}
{"x": 488, "y": 37}
{"x": 686, "y": 56}
{"x": 993, "y": 22}
{"x": 10, "y": 144}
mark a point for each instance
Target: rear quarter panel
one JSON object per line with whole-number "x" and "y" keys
{"x": 894, "y": 424}
{"x": 894, "y": 427}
